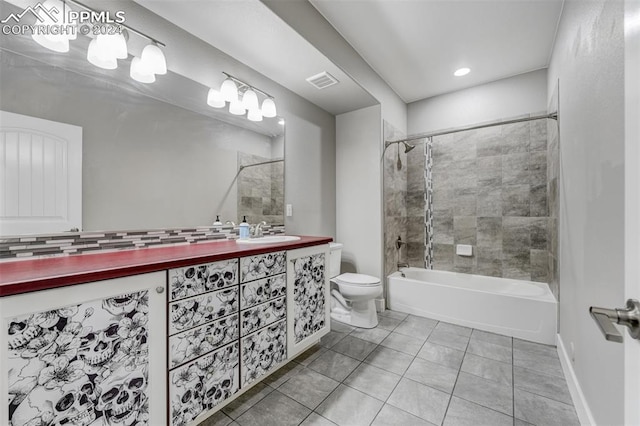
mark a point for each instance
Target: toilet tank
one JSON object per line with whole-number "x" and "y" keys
{"x": 334, "y": 259}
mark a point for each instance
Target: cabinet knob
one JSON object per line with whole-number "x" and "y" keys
{"x": 160, "y": 289}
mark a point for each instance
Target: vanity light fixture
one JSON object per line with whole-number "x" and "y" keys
{"x": 236, "y": 107}
{"x": 242, "y": 98}
{"x": 269, "y": 108}
{"x": 56, "y": 42}
{"x": 105, "y": 49}
{"x": 139, "y": 71}
{"x": 229, "y": 90}
{"x": 153, "y": 58}
{"x": 100, "y": 57}
{"x": 215, "y": 99}
{"x": 462, "y": 71}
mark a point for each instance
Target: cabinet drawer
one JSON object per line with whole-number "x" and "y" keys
{"x": 198, "y": 310}
{"x": 262, "y": 266}
{"x": 202, "y": 384}
{"x": 184, "y": 347}
{"x": 263, "y": 351}
{"x": 256, "y": 292}
{"x": 194, "y": 280}
{"x": 261, "y": 315}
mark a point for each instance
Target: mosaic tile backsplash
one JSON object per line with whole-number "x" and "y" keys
{"x": 69, "y": 243}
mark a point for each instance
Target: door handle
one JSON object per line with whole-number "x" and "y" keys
{"x": 629, "y": 317}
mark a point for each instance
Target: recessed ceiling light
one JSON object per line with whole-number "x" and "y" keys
{"x": 462, "y": 71}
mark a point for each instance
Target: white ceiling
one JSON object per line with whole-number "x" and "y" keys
{"x": 248, "y": 31}
{"x": 415, "y": 46}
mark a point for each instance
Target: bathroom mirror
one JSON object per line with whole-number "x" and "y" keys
{"x": 153, "y": 156}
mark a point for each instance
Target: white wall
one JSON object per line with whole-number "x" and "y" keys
{"x": 358, "y": 194}
{"x": 509, "y": 97}
{"x": 588, "y": 60}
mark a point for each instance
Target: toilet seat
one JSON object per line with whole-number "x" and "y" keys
{"x": 357, "y": 279}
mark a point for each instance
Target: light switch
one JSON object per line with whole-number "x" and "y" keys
{"x": 289, "y": 210}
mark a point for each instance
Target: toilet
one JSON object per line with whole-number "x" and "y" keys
{"x": 352, "y": 295}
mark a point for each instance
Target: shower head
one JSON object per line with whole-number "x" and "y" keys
{"x": 408, "y": 147}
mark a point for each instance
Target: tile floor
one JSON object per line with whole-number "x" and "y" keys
{"x": 410, "y": 371}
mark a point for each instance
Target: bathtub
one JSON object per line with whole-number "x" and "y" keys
{"x": 522, "y": 309}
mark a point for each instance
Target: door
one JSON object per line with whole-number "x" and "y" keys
{"x": 632, "y": 202}
{"x": 631, "y": 221}
{"x": 308, "y": 303}
{"x": 41, "y": 183}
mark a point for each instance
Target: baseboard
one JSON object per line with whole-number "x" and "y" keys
{"x": 579, "y": 401}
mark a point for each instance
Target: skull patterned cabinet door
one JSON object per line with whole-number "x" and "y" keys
{"x": 89, "y": 354}
{"x": 308, "y": 306}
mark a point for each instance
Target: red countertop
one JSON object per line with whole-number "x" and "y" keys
{"x": 23, "y": 276}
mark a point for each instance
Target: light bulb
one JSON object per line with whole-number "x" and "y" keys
{"x": 99, "y": 58}
{"x": 112, "y": 45}
{"x": 254, "y": 115}
{"x": 139, "y": 72}
{"x": 236, "y": 107}
{"x": 154, "y": 58}
{"x": 229, "y": 90}
{"x": 269, "y": 108}
{"x": 56, "y": 16}
{"x": 214, "y": 99}
{"x": 250, "y": 100}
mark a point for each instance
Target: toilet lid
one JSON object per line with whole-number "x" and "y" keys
{"x": 357, "y": 279}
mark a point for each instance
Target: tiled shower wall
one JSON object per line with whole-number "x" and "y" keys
{"x": 260, "y": 190}
{"x": 490, "y": 191}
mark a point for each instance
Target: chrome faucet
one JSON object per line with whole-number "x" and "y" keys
{"x": 256, "y": 231}
{"x": 229, "y": 222}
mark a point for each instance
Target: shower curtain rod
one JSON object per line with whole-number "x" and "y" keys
{"x": 553, "y": 116}
{"x": 259, "y": 164}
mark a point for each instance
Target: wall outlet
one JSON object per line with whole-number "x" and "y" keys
{"x": 289, "y": 210}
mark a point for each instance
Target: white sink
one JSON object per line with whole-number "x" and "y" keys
{"x": 271, "y": 239}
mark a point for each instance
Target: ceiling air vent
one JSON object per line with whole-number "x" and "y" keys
{"x": 322, "y": 80}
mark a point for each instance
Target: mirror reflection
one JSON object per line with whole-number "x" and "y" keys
{"x": 153, "y": 156}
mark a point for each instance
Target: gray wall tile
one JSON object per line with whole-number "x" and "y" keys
{"x": 515, "y": 200}
{"x": 489, "y": 232}
{"x": 464, "y": 230}
{"x": 515, "y": 168}
{"x": 489, "y": 202}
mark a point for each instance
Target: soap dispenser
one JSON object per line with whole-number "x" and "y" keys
{"x": 244, "y": 229}
{"x": 217, "y": 222}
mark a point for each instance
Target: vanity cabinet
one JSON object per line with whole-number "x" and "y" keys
{"x": 204, "y": 332}
{"x": 84, "y": 354}
{"x": 309, "y": 305}
{"x": 263, "y": 326}
{"x": 160, "y": 348}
